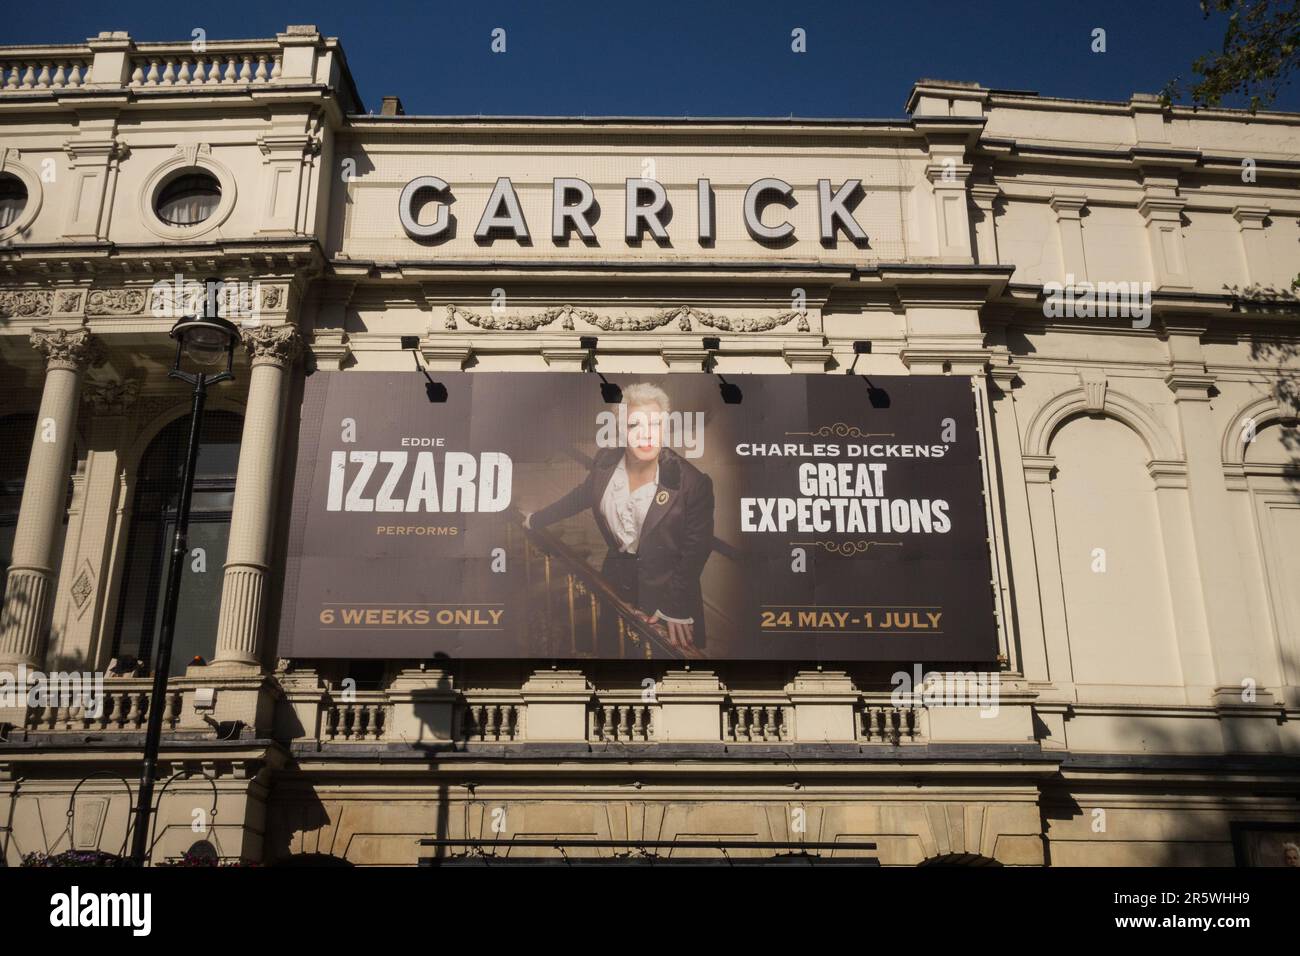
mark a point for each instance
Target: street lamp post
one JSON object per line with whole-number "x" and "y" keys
{"x": 206, "y": 339}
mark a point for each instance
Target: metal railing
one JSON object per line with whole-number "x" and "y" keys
{"x": 563, "y": 577}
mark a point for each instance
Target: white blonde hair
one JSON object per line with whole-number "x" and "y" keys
{"x": 643, "y": 393}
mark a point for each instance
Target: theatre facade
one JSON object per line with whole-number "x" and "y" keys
{"x": 974, "y": 535}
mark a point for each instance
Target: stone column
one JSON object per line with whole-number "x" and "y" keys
{"x": 30, "y": 590}
{"x": 274, "y": 350}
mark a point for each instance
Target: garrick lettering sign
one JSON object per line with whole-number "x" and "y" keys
{"x": 646, "y": 210}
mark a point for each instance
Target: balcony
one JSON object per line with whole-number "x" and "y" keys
{"x": 597, "y": 717}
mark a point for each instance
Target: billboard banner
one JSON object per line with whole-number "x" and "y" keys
{"x": 561, "y": 515}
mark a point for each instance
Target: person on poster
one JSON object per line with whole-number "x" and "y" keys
{"x": 655, "y": 511}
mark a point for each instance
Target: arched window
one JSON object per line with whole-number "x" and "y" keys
{"x": 153, "y": 523}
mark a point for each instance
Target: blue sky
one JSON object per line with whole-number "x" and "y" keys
{"x": 701, "y": 58}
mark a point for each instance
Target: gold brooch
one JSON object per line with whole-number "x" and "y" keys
{"x": 661, "y": 498}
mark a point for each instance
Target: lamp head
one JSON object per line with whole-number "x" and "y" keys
{"x": 206, "y": 338}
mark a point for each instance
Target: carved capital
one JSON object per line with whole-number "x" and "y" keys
{"x": 273, "y": 344}
{"x": 71, "y": 349}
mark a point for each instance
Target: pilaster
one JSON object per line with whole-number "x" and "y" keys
{"x": 1069, "y": 226}
{"x": 1019, "y": 531}
{"x": 985, "y": 197}
{"x": 1254, "y": 242}
{"x": 1161, "y": 208}
{"x": 1042, "y": 514}
{"x": 1239, "y": 648}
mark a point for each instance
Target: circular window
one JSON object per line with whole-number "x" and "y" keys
{"x": 13, "y": 199}
{"x": 188, "y": 199}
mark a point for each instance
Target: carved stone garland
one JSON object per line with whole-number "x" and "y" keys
{"x": 686, "y": 317}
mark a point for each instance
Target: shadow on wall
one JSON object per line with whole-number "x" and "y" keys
{"x": 1286, "y": 389}
{"x": 1176, "y": 805}
{"x": 301, "y": 830}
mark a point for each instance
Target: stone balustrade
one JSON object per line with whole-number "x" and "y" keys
{"x": 627, "y": 720}
{"x": 113, "y": 61}
{"x": 612, "y": 716}
{"x": 328, "y": 715}
{"x": 487, "y": 719}
{"x": 58, "y": 71}
{"x": 878, "y": 721}
{"x": 746, "y": 720}
{"x": 212, "y": 69}
{"x": 125, "y": 709}
{"x": 361, "y": 717}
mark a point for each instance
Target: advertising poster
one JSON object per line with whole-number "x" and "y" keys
{"x": 562, "y": 515}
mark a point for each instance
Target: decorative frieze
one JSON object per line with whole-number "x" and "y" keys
{"x": 744, "y": 323}
{"x": 685, "y": 317}
{"x": 237, "y": 300}
{"x": 67, "y": 301}
{"x": 25, "y": 303}
{"x": 273, "y": 297}
{"x": 523, "y": 323}
{"x": 115, "y": 302}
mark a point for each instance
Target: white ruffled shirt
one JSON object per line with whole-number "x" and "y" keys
{"x": 625, "y": 510}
